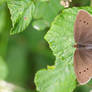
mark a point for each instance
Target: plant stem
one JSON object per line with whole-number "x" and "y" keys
{"x": 4, "y": 34}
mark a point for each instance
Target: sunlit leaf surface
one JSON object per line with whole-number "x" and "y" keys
{"x": 21, "y": 14}
{"x": 61, "y": 40}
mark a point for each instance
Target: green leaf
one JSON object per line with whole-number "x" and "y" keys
{"x": 21, "y": 14}
{"x": 43, "y": 0}
{"x": 47, "y": 11}
{"x": 81, "y": 2}
{"x": 3, "y": 69}
{"x": 2, "y": 17}
{"x": 2, "y": 1}
{"x": 40, "y": 24}
{"x": 60, "y": 38}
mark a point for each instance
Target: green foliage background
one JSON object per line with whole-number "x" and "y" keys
{"x": 36, "y": 38}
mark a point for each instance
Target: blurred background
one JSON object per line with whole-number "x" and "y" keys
{"x": 25, "y": 53}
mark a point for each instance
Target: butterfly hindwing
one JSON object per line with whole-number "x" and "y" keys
{"x": 83, "y": 65}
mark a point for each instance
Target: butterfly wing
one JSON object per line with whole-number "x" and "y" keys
{"x": 83, "y": 65}
{"x": 83, "y": 28}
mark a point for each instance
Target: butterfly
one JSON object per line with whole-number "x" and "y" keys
{"x": 83, "y": 52}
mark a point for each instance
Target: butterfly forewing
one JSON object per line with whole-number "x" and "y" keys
{"x": 83, "y": 28}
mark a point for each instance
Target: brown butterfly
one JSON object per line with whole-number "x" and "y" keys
{"x": 83, "y": 53}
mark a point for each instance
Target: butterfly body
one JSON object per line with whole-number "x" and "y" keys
{"x": 82, "y": 46}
